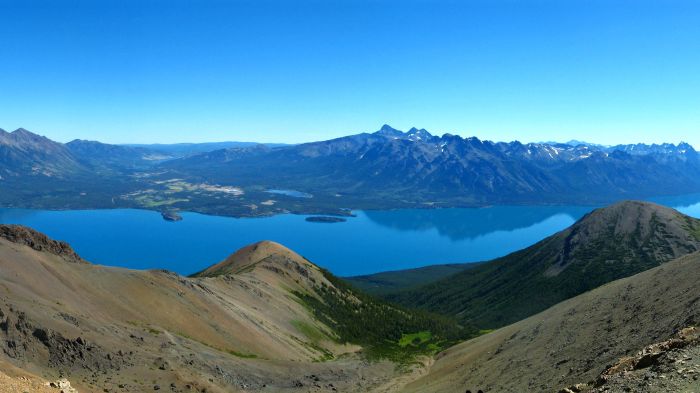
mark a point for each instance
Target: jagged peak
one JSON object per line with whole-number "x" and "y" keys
{"x": 38, "y": 241}
{"x": 88, "y": 142}
{"x": 418, "y": 134}
{"x": 685, "y": 146}
{"x": 390, "y": 131}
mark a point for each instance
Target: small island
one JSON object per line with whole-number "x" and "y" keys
{"x": 325, "y": 219}
{"x": 171, "y": 216}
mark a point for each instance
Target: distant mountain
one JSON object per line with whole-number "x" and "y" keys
{"x": 680, "y": 151}
{"x": 386, "y": 169}
{"x": 575, "y": 142}
{"x": 178, "y": 150}
{"x": 23, "y": 153}
{"x": 605, "y": 245}
{"x": 102, "y": 156}
{"x": 135, "y": 156}
{"x": 415, "y": 168}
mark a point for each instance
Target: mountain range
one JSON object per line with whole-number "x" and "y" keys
{"x": 417, "y": 168}
{"x": 20, "y": 148}
{"x": 384, "y": 169}
{"x": 23, "y": 153}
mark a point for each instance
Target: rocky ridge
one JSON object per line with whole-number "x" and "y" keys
{"x": 39, "y": 242}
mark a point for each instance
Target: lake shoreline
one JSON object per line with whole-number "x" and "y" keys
{"x": 373, "y": 241}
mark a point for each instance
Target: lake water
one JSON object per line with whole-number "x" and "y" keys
{"x": 291, "y": 193}
{"x": 371, "y": 242}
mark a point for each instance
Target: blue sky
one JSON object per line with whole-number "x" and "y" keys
{"x": 294, "y": 71}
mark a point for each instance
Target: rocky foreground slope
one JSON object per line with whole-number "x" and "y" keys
{"x": 574, "y": 342}
{"x": 116, "y": 330}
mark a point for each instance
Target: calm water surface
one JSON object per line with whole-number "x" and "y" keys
{"x": 373, "y": 241}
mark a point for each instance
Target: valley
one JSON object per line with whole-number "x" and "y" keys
{"x": 267, "y": 319}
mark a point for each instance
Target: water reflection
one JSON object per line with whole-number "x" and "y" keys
{"x": 461, "y": 224}
{"x": 686, "y": 204}
{"x": 16, "y": 215}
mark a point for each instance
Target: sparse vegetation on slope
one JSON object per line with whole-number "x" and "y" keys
{"x": 574, "y": 343}
{"x": 381, "y": 328}
{"x": 353, "y": 316}
{"x": 605, "y": 245}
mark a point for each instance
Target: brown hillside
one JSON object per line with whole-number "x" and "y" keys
{"x": 575, "y": 340}
{"x": 105, "y": 327}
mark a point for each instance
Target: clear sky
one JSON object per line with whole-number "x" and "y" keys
{"x": 293, "y": 71}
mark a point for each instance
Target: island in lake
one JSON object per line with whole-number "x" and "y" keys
{"x": 171, "y": 216}
{"x": 325, "y": 219}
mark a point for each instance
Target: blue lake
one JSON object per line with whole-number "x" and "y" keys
{"x": 371, "y": 242}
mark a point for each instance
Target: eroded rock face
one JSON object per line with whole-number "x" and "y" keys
{"x": 666, "y": 366}
{"x": 22, "y": 340}
{"x": 38, "y": 241}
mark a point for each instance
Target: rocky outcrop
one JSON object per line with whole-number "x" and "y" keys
{"x": 64, "y": 385}
{"x": 25, "y": 382}
{"x": 667, "y": 366}
{"x": 38, "y": 241}
{"x": 24, "y": 341}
